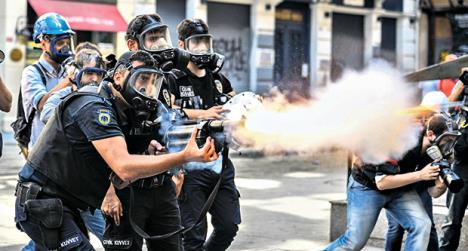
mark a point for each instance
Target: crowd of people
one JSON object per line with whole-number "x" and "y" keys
{"x": 95, "y": 159}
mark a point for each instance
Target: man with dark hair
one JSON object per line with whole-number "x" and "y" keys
{"x": 155, "y": 207}
{"x": 43, "y": 78}
{"x": 87, "y": 45}
{"x": 147, "y": 32}
{"x": 81, "y": 145}
{"x": 135, "y": 27}
{"x": 413, "y": 161}
{"x": 197, "y": 89}
{"x": 89, "y": 71}
{"x": 389, "y": 185}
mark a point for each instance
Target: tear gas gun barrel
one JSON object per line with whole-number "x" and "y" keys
{"x": 177, "y": 135}
{"x": 178, "y": 132}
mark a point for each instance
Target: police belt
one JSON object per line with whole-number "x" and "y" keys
{"x": 52, "y": 190}
{"x": 151, "y": 182}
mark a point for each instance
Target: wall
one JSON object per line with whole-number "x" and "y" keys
{"x": 172, "y": 12}
{"x": 230, "y": 26}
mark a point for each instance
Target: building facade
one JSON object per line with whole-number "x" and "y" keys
{"x": 296, "y": 44}
{"x": 302, "y": 43}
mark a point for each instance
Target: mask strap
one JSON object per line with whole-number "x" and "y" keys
{"x": 427, "y": 126}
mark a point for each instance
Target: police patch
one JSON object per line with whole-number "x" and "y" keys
{"x": 116, "y": 243}
{"x": 186, "y": 91}
{"x": 104, "y": 116}
{"x": 219, "y": 85}
{"x": 167, "y": 96}
{"x": 70, "y": 242}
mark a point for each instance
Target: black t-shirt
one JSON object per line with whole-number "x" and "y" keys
{"x": 415, "y": 160}
{"x": 461, "y": 149}
{"x": 199, "y": 92}
{"x": 411, "y": 161}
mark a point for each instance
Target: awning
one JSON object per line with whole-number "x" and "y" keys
{"x": 84, "y": 16}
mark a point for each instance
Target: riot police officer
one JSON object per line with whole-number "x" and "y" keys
{"x": 198, "y": 90}
{"x": 82, "y": 143}
{"x": 148, "y": 33}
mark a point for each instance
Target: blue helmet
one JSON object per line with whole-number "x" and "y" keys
{"x": 51, "y": 24}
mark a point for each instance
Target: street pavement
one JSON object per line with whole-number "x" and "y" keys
{"x": 284, "y": 200}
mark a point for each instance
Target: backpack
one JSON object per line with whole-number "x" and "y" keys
{"x": 22, "y": 125}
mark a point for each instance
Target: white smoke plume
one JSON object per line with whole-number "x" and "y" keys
{"x": 362, "y": 113}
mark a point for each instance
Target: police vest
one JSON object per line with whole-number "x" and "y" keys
{"x": 54, "y": 157}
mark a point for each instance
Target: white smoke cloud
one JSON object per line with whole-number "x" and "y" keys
{"x": 362, "y": 112}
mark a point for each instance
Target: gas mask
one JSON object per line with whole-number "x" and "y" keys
{"x": 440, "y": 150}
{"x": 61, "y": 47}
{"x": 89, "y": 76}
{"x": 169, "y": 59}
{"x": 442, "y": 146}
{"x": 141, "y": 90}
{"x": 87, "y": 67}
{"x": 155, "y": 38}
{"x": 200, "y": 47}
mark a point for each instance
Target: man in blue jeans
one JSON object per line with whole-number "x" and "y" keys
{"x": 415, "y": 159}
{"x": 374, "y": 187}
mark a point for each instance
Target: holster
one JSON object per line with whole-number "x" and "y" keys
{"x": 47, "y": 213}
{"x": 27, "y": 191}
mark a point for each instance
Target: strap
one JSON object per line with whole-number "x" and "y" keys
{"x": 39, "y": 68}
{"x": 177, "y": 74}
{"x": 201, "y": 217}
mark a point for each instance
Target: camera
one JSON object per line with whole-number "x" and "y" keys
{"x": 2, "y": 56}
{"x": 439, "y": 152}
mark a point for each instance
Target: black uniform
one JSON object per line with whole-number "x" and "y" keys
{"x": 64, "y": 173}
{"x": 155, "y": 208}
{"x": 456, "y": 202}
{"x": 192, "y": 92}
